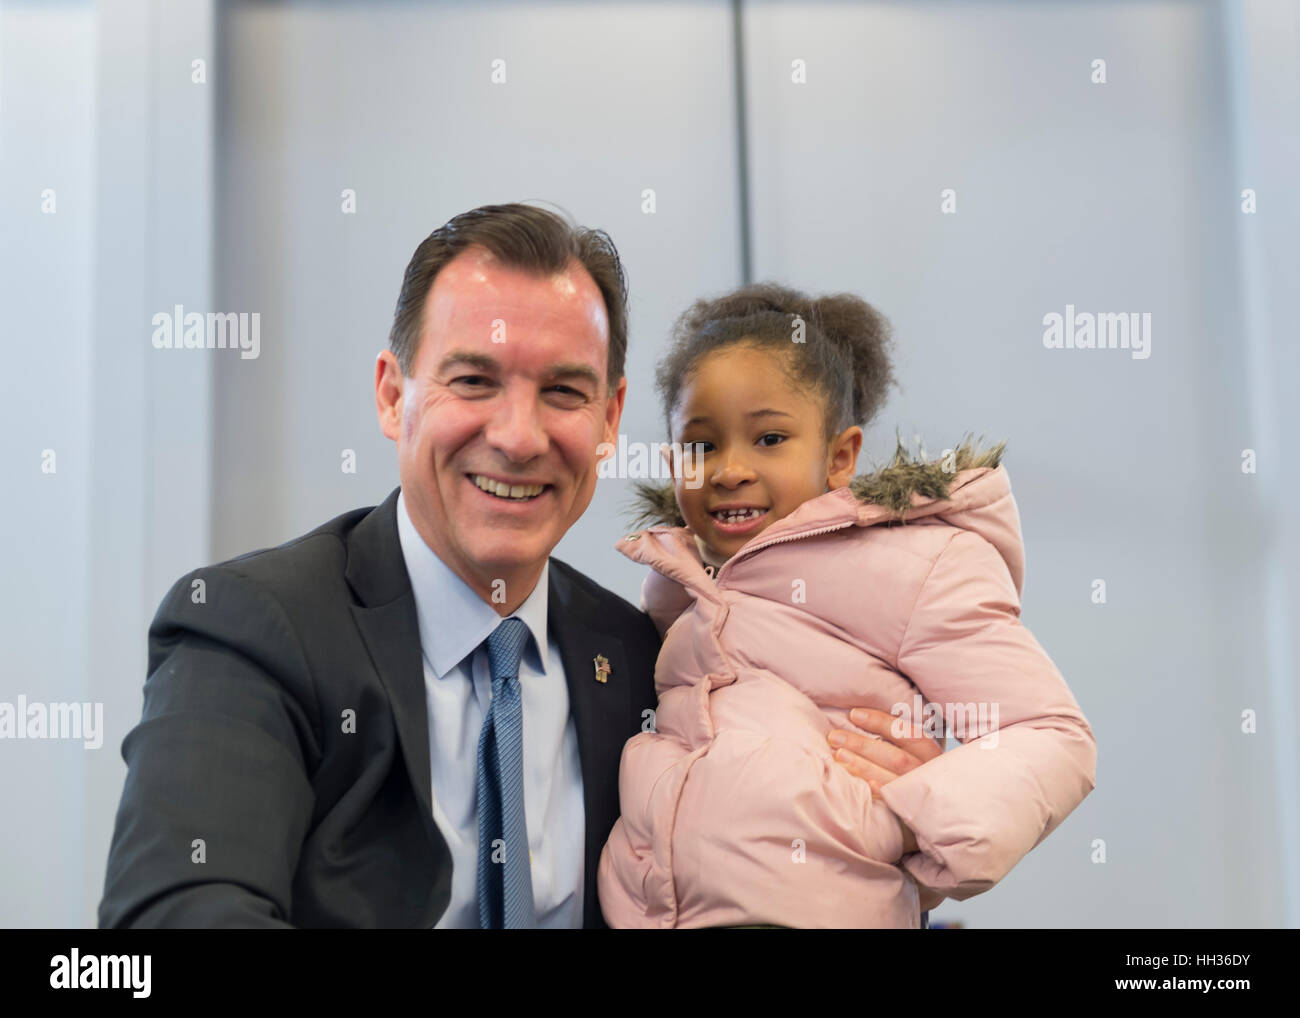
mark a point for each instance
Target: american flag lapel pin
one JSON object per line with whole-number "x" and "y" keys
{"x": 602, "y": 668}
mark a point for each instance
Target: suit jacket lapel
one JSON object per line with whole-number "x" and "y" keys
{"x": 387, "y": 619}
{"x": 600, "y": 714}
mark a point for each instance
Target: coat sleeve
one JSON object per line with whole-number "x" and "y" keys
{"x": 664, "y": 600}
{"x": 217, "y": 798}
{"x": 979, "y": 808}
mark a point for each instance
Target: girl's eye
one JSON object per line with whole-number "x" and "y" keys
{"x": 772, "y": 434}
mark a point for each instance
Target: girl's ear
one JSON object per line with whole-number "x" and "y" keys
{"x": 842, "y": 458}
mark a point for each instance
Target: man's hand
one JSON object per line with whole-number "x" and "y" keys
{"x": 879, "y": 761}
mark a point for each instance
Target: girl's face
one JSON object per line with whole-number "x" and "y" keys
{"x": 762, "y": 453}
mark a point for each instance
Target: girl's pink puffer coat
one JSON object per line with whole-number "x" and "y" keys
{"x": 734, "y": 810}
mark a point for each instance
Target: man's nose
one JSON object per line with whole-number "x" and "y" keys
{"x": 515, "y": 427}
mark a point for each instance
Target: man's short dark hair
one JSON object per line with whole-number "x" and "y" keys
{"x": 521, "y": 237}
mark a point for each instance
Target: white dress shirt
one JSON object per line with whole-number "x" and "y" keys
{"x": 454, "y": 622}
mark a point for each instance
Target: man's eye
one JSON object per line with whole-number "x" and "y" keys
{"x": 772, "y": 434}
{"x": 566, "y": 397}
{"x": 471, "y": 380}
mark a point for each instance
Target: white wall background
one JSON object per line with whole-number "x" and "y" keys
{"x": 1115, "y": 197}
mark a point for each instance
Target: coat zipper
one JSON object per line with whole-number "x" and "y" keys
{"x": 778, "y": 540}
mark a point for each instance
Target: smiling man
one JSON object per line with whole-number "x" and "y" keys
{"x": 412, "y": 716}
{"x": 498, "y": 397}
{"x": 497, "y": 409}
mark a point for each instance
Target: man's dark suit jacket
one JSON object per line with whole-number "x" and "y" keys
{"x": 247, "y": 800}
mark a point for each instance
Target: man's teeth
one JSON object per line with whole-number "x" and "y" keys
{"x": 520, "y": 491}
{"x": 737, "y": 515}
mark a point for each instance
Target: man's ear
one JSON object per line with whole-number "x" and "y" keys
{"x": 667, "y": 451}
{"x": 842, "y": 458}
{"x": 389, "y": 389}
{"x": 614, "y": 411}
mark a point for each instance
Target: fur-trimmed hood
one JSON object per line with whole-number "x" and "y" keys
{"x": 968, "y": 487}
{"x": 892, "y": 486}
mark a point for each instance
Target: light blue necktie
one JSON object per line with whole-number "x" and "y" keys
{"x": 505, "y": 886}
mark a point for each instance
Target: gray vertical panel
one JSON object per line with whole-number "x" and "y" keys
{"x": 103, "y": 536}
{"x": 46, "y": 135}
{"x": 1263, "y": 42}
{"x": 1112, "y": 198}
{"x": 180, "y": 245}
{"x": 151, "y": 419}
{"x": 395, "y": 101}
{"x": 121, "y": 494}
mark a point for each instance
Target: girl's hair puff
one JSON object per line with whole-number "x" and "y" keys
{"x": 841, "y": 354}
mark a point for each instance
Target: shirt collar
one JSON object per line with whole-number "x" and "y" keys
{"x": 462, "y": 619}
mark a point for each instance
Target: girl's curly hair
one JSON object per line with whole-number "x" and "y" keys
{"x": 836, "y": 346}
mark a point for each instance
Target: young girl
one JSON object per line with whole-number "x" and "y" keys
{"x": 787, "y": 592}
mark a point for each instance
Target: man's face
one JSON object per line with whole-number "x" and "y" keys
{"x": 508, "y": 394}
